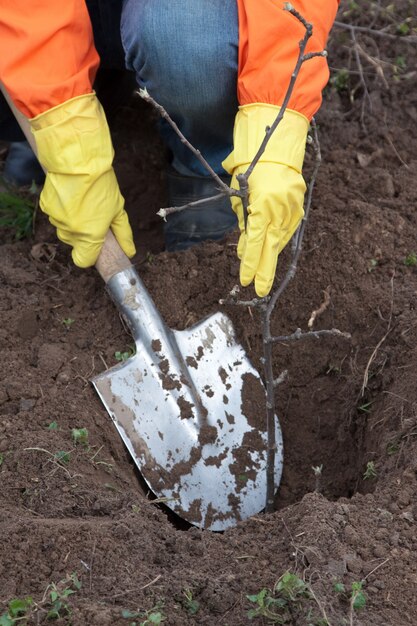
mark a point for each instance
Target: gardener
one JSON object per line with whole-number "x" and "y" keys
{"x": 200, "y": 60}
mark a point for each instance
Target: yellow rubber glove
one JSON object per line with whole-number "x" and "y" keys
{"x": 276, "y": 189}
{"x": 81, "y": 195}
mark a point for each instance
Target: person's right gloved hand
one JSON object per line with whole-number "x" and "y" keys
{"x": 81, "y": 195}
{"x": 276, "y": 189}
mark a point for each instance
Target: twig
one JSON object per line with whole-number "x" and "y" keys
{"x": 380, "y": 342}
{"x": 315, "y": 314}
{"x": 53, "y": 459}
{"x": 281, "y": 378}
{"x": 377, "y": 567}
{"x": 266, "y": 332}
{"x": 302, "y": 58}
{"x": 164, "y": 114}
{"x": 152, "y": 581}
{"x": 176, "y": 209}
{"x": 316, "y": 334}
{"x": 319, "y": 604}
{"x": 361, "y": 76}
{"x": 91, "y": 564}
{"x": 376, "y": 33}
{"x": 103, "y": 360}
{"x": 376, "y": 63}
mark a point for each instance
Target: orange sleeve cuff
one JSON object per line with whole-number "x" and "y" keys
{"x": 268, "y": 51}
{"x": 47, "y": 53}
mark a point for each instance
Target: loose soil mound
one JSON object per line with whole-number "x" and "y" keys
{"x": 348, "y": 406}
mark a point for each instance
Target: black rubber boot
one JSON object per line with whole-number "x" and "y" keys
{"x": 211, "y": 220}
{"x": 22, "y": 168}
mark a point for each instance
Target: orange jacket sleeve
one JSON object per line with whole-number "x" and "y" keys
{"x": 47, "y": 54}
{"x": 268, "y": 52}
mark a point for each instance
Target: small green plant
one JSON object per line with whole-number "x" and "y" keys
{"x": 1, "y": 458}
{"x": 333, "y": 369}
{"x": 123, "y": 356}
{"x": 392, "y": 447}
{"x": 59, "y": 594}
{"x": 365, "y": 407}
{"x": 53, "y": 605}
{"x": 411, "y": 259}
{"x": 53, "y": 426}
{"x": 275, "y": 605}
{"x": 404, "y": 27}
{"x": 16, "y": 214}
{"x": 17, "y": 611}
{"x": 340, "y": 81}
{"x": 317, "y": 471}
{"x": 153, "y": 616}
{"x": 62, "y": 457}
{"x": 370, "y": 471}
{"x": 373, "y": 264}
{"x": 68, "y": 322}
{"x": 400, "y": 63}
{"x": 357, "y": 596}
{"x": 80, "y": 436}
{"x": 191, "y": 604}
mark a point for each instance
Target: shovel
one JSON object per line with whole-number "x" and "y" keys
{"x": 188, "y": 405}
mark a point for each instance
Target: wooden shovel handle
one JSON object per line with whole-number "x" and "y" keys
{"x": 112, "y": 259}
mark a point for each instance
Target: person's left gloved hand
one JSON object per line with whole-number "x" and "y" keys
{"x": 276, "y": 189}
{"x": 81, "y": 195}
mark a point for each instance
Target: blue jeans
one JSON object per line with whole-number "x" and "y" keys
{"x": 185, "y": 54}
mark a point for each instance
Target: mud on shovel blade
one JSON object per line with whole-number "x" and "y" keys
{"x": 190, "y": 409}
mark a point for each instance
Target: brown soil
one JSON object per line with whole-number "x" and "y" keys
{"x": 345, "y": 404}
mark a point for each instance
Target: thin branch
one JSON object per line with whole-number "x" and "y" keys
{"x": 361, "y": 76}
{"x": 316, "y": 334}
{"x": 323, "y": 307}
{"x": 163, "y": 113}
{"x": 376, "y": 33}
{"x": 301, "y": 59}
{"x": 380, "y": 342}
{"x": 281, "y": 378}
{"x": 196, "y": 203}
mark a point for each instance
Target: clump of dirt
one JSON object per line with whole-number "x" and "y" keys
{"x": 347, "y": 408}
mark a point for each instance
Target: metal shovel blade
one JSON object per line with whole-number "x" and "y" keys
{"x": 190, "y": 409}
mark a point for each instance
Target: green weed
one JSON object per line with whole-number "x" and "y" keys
{"x": 191, "y": 604}
{"x": 53, "y": 605}
{"x": 404, "y": 27}
{"x": 276, "y": 605}
{"x": 370, "y": 471}
{"x": 365, "y": 407}
{"x": 411, "y": 259}
{"x": 68, "y": 322}
{"x": 340, "y": 81}
{"x": 62, "y": 457}
{"x": 123, "y": 356}
{"x": 16, "y": 214}
{"x": 392, "y": 447}
{"x": 153, "y": 616}
{"x": 80, "y": 436}
{"x": 355, "y": 596}
{"x": 53, "y": 426}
